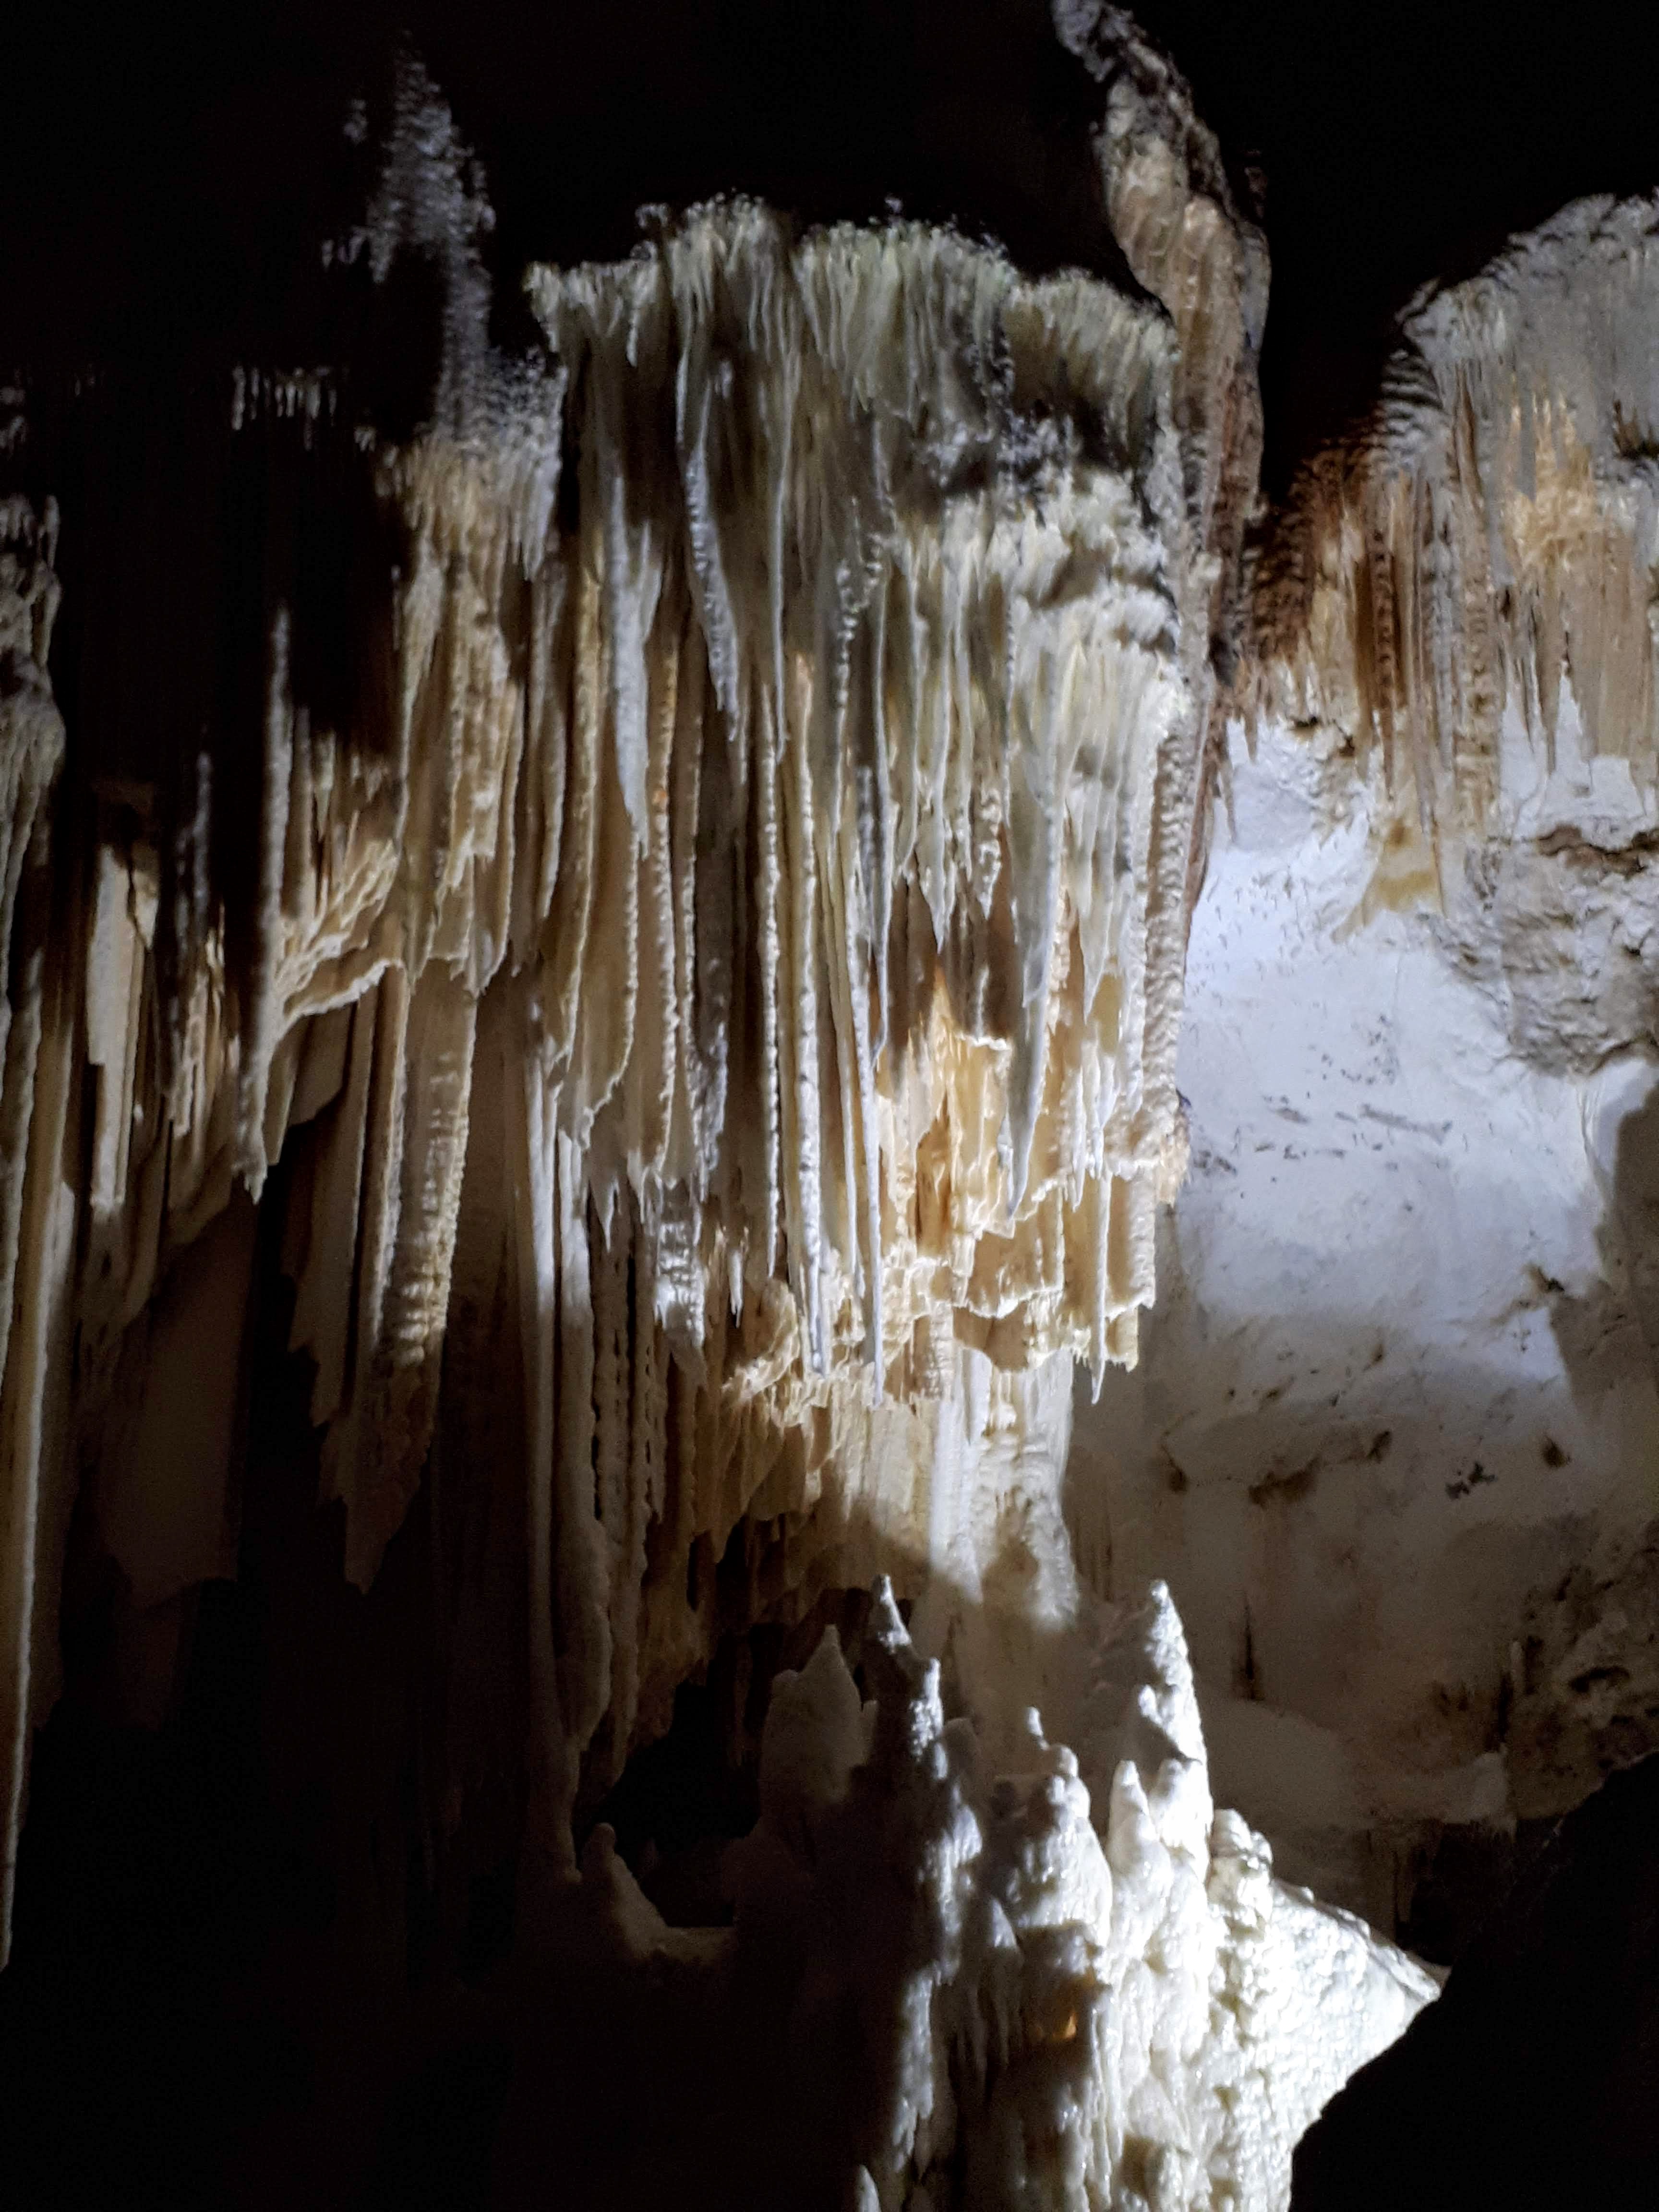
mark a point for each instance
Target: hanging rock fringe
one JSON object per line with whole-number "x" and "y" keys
{"x": 745, "y": 881}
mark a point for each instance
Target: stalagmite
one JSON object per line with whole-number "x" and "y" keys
{"x": 1068, "y": 1980}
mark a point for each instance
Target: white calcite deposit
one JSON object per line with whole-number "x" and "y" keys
{"x": 1393, "y": 1438}
{"x": 1065, "y": 1980}
{"x": 706, "y": 988}
{"x": 681, "y": 984}
{"x": 1397, "y": 1384}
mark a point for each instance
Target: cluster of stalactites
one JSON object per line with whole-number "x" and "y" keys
{"x": 1488, "y": 538}
{"x": 800, "y": 772}
{"x": 32, "y": 1229}
{"x": 863, "y": 651}
{"x": 750, "y": 905}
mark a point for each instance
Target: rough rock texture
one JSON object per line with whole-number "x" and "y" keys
{"x": 616, "y": 958}
{"x": 685, "y": 871}
{"x": 1554, "y": 2009}
{"x": 1065, "y": 1980}
{"x": 1393, "y": 1439}
{"x": 1187, "y": 239}
{"x": 1393, "y": 1432}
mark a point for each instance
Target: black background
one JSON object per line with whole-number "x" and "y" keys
{"x": 165, "y": 175}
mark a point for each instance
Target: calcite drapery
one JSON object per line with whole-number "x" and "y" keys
{"x": 1484, "y": 540}
{"x": 748, "y": 856}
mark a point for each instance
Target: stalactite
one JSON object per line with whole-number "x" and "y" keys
{"x": 760, "y": 751}
{"x": 1481, "y": 546}
{"x": 1187, "y": 238}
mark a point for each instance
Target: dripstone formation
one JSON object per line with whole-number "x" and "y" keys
{"x": 598, "y": 904}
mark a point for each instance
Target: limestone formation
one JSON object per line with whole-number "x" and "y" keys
{"x": 593, "y": 982}
{"x": 1071, "y": 1981}
{"x": 740, "y": 896}
{"x": 1393, "y": 1440}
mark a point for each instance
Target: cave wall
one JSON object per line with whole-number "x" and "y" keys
{"x": 1400, "y": 1435}
{"x": 1395, "y": 1415}
{"x": 594, "y": 1021}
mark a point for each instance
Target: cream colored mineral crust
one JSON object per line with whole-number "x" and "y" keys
{"x": 1394, "y": 1433}
{"x": 751, "y": 934}
{"x": 697, "y": 1017}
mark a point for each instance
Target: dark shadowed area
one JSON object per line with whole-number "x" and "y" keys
{"x": 169, "y": 169}
{"x": 1532, "y": 2082}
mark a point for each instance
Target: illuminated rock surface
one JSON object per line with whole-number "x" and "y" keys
{"x": 1393, "y": 1441}
{"x": 1064, "y": 1979}
{"x": 740, "y": 912}
{"x": 593, "y": 1010}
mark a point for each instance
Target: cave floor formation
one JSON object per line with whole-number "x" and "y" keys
{"x": 828, "y": 1149}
